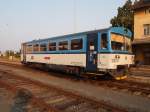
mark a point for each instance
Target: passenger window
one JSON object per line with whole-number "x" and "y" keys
{"x": 104, "y": 41}
{"x": 29, "y": 48}
{"x": 76, "y": 44}
{"x": 52, "y": 46}
{"x": 36, "y": 47}
{"x": 43, "y": 47}
{"x": 63, "y": 45}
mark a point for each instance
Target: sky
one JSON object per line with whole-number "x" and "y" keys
{"x": 26, "y": 20}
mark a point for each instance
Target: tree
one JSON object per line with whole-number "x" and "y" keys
{"x": 17, "y": 54}
{"x": 9, "y": 53}
{"x": 0, "y": 53}
{"x": 125, "y": 16}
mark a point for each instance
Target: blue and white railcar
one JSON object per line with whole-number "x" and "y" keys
{"x": 102, "y": 51}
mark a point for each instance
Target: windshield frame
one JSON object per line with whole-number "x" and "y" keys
{"x": 125, "y": 39}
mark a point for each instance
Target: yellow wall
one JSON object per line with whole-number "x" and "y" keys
{"x": 140, "y": 18}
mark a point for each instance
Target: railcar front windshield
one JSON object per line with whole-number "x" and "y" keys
{"x": 120, "y": 43}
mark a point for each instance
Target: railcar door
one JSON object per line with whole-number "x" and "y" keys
{"x": 92, "y": 48}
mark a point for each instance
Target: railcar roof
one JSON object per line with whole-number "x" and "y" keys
{"x": 71, "y": 35}
{"x": 113, "y": 29}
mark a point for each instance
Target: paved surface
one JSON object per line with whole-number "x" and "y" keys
{"x": 136, "y": 103}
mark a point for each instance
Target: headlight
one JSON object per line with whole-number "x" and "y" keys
{"x": 117, "y": 56}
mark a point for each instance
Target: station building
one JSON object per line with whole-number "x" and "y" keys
{"x": 141, "y": 42}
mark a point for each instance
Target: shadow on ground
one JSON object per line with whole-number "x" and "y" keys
{"x": 21, "y": 101}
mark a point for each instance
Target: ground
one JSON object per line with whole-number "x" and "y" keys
{"x": 6, "y": 100}
{"x": 122, "y": 99}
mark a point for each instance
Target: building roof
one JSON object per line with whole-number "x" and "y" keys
{"x": 141, "y": 41}
{"x": 141, "y": 4}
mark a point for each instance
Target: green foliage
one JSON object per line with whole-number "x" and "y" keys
{"x": 17, "y": 55}
{"x": 125, "y": 16}
{"x": 12, "y": 53}
{"x": 9, "y": 53}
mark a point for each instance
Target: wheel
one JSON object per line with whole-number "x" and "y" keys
{"x": 79, "y": 72}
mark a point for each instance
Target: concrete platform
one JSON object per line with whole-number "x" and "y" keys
{"x": 141, "y": 70}
{"x": 139, "y": 79}
{"x": 140, "y": 74}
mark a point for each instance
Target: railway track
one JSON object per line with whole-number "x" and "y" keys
{"x": 44, "y": 98}
{"x": 135, "y": 88}
{"x": 128, "y": 86}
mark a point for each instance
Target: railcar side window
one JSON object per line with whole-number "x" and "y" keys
{"x": 104, "y": 41}
{"x": 29, "y": 48}
{"x": 52, "y": 46}
{"x": 76, "y": 44}
{"x": 43, "y": 47}
{"x": 63, "y": 45}
{"x": 36, "y": 47}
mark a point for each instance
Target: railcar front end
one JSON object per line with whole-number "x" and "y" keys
{"x": 115, "y": 56}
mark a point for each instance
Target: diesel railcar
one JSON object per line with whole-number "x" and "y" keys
{"x": 105, "y": 51}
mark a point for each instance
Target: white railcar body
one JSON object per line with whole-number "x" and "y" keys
{"x": 111, "y": 61}
{"x": 58, "y": 59}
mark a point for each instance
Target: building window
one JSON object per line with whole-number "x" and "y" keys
{"x": 36, "y": 47}
{"x": 147, "y": 29}
{"x": 63, "y": 45}
{"x": 76, "y": 44}
{"x": 52, "y": 46}
{"x": 43, "y": 47}
{"x": 104, "y": 41}
{"x": 147, "y": 11}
